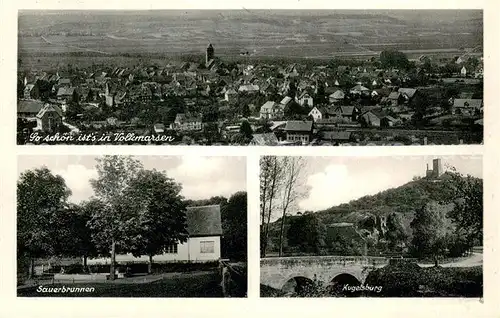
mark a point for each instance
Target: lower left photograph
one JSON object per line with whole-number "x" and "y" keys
{"x": 131, "y": 226}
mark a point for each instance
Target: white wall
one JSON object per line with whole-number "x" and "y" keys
{"x": 194, "y": 248}
{"x": 189, "y": 251}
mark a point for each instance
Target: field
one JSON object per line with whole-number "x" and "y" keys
{"x": 308, "y": 34}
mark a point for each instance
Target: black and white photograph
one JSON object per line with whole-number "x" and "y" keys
{"x": 408, "y": 226}
{"x": 250, "y": 77}
{"x": 131, "y": 226}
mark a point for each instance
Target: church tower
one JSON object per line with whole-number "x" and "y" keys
{"x": 210, "y": 54}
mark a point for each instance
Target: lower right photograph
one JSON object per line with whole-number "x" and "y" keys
{"x": 388, "y": 226}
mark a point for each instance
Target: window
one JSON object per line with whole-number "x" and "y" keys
{"x": 171, "y": 249}
{"x": 207, "y": 247}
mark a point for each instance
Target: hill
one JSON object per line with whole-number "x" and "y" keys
{"x": 264, "y": 33}
{"x": 368, "y": 215}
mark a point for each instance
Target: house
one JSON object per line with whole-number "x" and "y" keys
{"x": 305, "y": 99}
{"x": 248, "y": 88}
{"x": 31, "y": 91}
{"x": 67, "y": 94}
{"x": 230, "y": 95}
{"x": 359, "y": 90}
{"x": 64, "y": 82}
{"x": 159, "y": 128}
{"x": 271, "y": 110}
{"x": 28, "y": 109}
{"x": 285, "y": 101}
{"x": 349, "y": 113}
{"x": 299, "y": 130}
{"x": 377, "y": 118}
{"x": 394, "y": 99}
{"x": 407, "y": 94}
{"x": 187, "y": 122}
{"x": 389, "y": 121}
{"x": 316, "y": 113}
{"x": 336, "y": 97}
{"x": 49, "y": 118}
{"x": 204, "y": 229}
{"x": 268, "y": 139}
{"x": 337, "y": 136}
{"x": 463, "y": 71}
{"x": 372, "y": 118}
{"x": 466, "y": 106}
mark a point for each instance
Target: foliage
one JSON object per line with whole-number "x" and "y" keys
{"x": 41, "y": 200}
{"x": 306, "y": 232}
{"x": 410, "y": 280}
{"x": 160, "y": 218}
{"x": 467, "y": 213}
{"x": 396, "y": 59}
{"x": 294, "y": 111}
{"x": 397, "y": 234}
{"x": 430, "y": 230}
{"x": 74, "y": 235}
{"x": 234, "y": 226}
{"x": 246, "y": 129}
{"x": 112, "y": 220}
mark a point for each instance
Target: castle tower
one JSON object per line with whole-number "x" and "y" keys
{"x": 428, "y": 173}
{"x": 210, "y": 53}
{"x": 437, "y": 168}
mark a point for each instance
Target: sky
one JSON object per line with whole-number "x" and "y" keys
{"x": 331, "y": 181}
{"x": 201, "y": 177}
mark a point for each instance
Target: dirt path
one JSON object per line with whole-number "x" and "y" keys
{"x": 475, "y": 259}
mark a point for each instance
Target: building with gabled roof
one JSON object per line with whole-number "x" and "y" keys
{"x": 49, "y": 118}
{"x": 204, "y": 227}
{"x": 299, "y": 130}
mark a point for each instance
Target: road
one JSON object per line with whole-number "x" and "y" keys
{"x": 73, "y": 129}
{"x": 475, "y": 259}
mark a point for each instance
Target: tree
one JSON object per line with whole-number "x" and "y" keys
{"x": 41, "y": 196}
{"x": 246, "y": 129}
{"x": 234, "y": 226}
{"x": 160, "y": 219}
{"x": 271, "y": 173}
{"x": 292, "y": 167}
{"x": 74, "y": 234}
{"x": 211, "y": 132}
{"x": 306, "y": 232}
{"x": 111, "y": 223}
{"x": 396, "y": 232}
{"x": 294, "y": 111}
{"x": 391, "y": 58}
{"x": 467, "y": 213}
{"x": 430, "y": 230}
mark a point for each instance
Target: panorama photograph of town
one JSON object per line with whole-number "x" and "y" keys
{"x": 250, "y": 77}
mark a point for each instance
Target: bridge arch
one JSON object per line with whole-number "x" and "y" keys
{"x": 345, "y": 278}
{"x": 342, "y": 284}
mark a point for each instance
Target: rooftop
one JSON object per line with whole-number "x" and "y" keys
{"x": 204, "y": 220}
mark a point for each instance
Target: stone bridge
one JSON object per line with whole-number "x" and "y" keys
{"x": 284, "y": 273}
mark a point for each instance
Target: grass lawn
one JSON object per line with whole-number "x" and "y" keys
{"x": 199, "y": 284}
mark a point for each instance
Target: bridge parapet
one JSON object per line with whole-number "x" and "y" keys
{"x": 333, "y": 260}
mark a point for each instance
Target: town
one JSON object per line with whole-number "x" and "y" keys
{"x": 387, "y": 99}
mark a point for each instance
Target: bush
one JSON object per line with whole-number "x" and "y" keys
{"x": 410, "y": 280}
